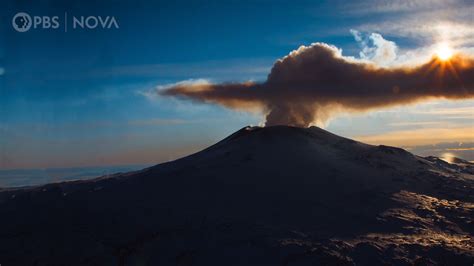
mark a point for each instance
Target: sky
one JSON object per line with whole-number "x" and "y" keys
{"x": 76, "y": 97}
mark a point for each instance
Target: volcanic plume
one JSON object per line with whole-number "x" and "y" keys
{"x": 313, "y": 82}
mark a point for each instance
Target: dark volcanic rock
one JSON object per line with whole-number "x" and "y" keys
{"x": 262, "y": 196}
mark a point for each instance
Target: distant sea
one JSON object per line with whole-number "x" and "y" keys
{"x": 32, "y": 177}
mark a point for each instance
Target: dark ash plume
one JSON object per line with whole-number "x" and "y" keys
{"x": 313, "y": 82}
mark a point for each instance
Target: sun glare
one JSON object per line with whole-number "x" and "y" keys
{"x": 448, "y": 157}
{"x": 444, "y": 53}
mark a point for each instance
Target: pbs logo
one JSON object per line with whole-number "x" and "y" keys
{"x": 21, "y": 22}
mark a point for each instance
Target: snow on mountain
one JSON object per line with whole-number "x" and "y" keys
{"x": 262, "y": 196}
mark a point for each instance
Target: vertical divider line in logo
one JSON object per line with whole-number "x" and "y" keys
{"x": 65, "y": 21}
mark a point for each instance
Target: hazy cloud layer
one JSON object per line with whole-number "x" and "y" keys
{"x": 426, "y": 21}
{"x": 421, "y": 136}
{"x": 312, "y": 83}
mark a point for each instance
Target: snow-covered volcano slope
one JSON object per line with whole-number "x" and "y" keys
{"x": 262, "y": 196}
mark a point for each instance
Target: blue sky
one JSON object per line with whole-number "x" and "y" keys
{"x": 87, "y": 97}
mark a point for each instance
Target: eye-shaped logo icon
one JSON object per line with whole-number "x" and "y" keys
{"x": 21, "y": 22}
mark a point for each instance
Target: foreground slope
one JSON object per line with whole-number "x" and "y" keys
{"x": 263, "y": 196}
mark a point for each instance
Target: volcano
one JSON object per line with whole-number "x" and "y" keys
{"x": 262, "y": 196}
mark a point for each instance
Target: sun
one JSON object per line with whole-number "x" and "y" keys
{"x": 444, "y": 53}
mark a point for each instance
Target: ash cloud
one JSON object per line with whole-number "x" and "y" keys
{"x": 314, "y": 82}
